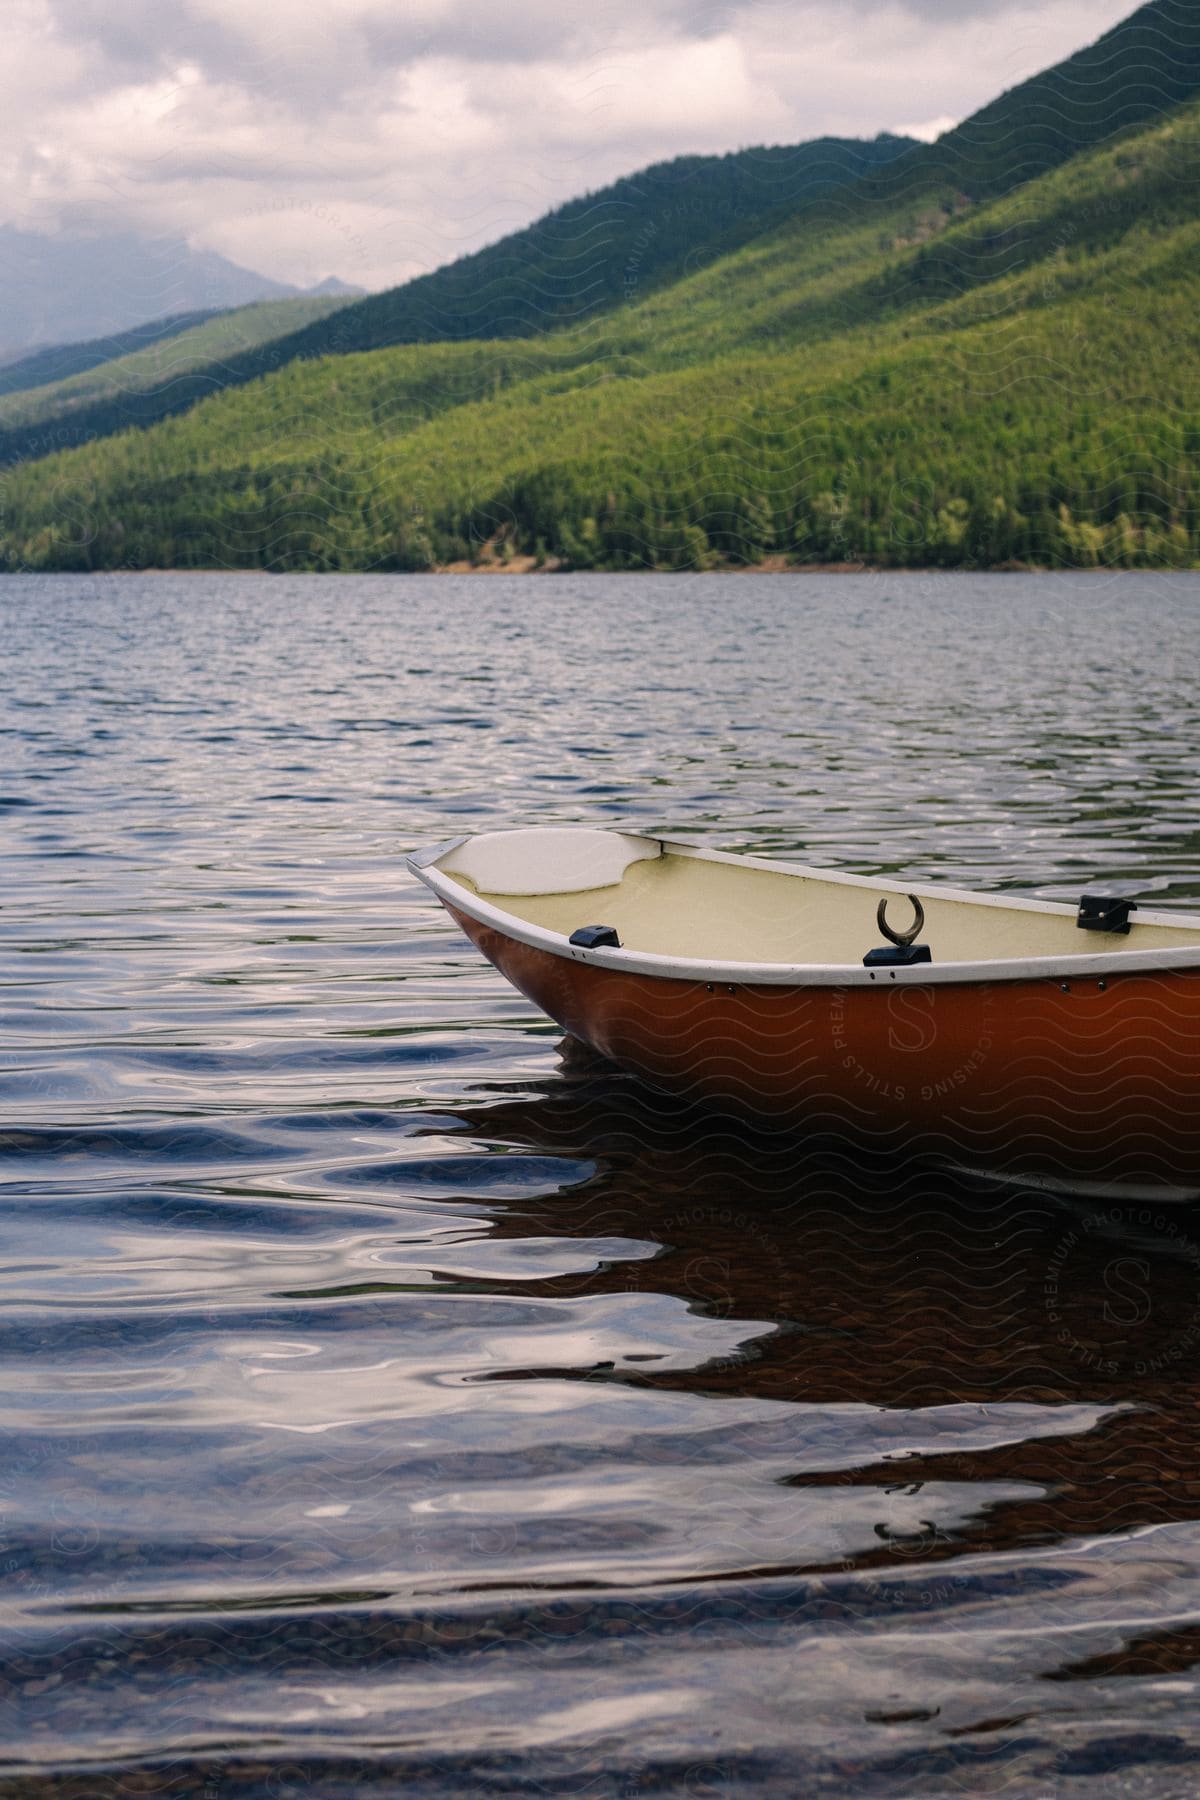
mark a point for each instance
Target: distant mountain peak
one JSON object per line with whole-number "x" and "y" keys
{"x": 77, "y": 285}
{"x": 333, "y": 284}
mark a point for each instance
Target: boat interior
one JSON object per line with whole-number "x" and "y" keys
{"x": 662, "y": 899}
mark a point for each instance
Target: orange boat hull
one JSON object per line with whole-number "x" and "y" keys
{"x": 1097, "y": 1078}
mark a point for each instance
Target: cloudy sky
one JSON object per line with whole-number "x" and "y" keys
{"x": 374, "y": 139}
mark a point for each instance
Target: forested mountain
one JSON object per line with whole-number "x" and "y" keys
{"x": 629, "y": 240}
{"x": 41, "y": 416}
{"x": 1025, "y": 384}
{"x": 610, "y": 247}
{"x": 59, "y": 361}
{"x": 576, "y": 263}
{"x": 905, "y": 378}
{"x": 1141, "y": 69}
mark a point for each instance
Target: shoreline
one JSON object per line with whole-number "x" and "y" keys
{"x": 521, "y": 567}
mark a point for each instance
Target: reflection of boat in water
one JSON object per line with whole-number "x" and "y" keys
{"x": 871, "y": 1282}
{"x": 1021, "y": 1034}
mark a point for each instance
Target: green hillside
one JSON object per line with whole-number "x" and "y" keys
{"x": 611, "y": 249}
{"x": 615, "y": 246}
{"x": 644, "y": 232}
{"x": 1018, "y": 382}
{"x": 1144, "y": 67}
{"x": 583, "y": 260}
{"x": 202, "y": 354}
{"x": 40, "y": 367}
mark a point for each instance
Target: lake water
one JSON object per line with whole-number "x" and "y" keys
{"x": 391, "y": 1401}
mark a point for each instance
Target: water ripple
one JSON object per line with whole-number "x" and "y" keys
{"x": 393, "y": 1399}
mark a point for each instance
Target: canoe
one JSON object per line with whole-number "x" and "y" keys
{"x": 1014, "y": 1033}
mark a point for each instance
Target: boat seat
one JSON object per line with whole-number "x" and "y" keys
{"x": 566, "y": 861}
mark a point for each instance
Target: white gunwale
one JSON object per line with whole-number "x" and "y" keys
{"x": 1159, "y": 960}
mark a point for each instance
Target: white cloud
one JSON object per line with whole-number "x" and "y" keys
{"x": 376, "y": 139}
{"x": 929, "y": 130}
